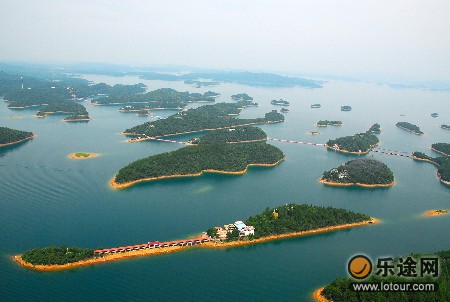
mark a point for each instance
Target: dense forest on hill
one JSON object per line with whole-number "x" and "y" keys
{"x": 411, "y": 127}
{"x": 192, "y": 160}
{"x": 296, "y": 218}
{"x": 76, "y": 111}
{"x": 361, "y": 142}
{"x": 202, "y": 118}
{"x": 442, "y": 162}
{"x": 162, "y": 95}
{"x": 375, "y": 128}
{"x": 362, "y": 170}
{"x": 442, "y": 147}
{"x": 233, "y": 135}
{"x": 241, "y": 97}
{"x": 340, "y": 289}
{"x": 57, "y": 255}
{"x": 8, "y": 135}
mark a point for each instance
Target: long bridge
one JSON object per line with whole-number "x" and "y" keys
{"x": 151, "y": 245}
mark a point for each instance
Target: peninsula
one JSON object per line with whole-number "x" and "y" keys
{"x": 232, "y": 135}
{"x": 193, "y": 161}
{"x": 361, "y": 143}
{"x": 325, "y": 123}
{"x": 285, "y": 221}
{"x": 375, "y": 128}
{"x": 10, "y": 136}
{"x": 409, "y": 127}
{"x": 442, "y": 148}
{"x": 442, "y": 162}
{"x": 340, "y": 288}
{"x": 362, "y": 172}
{"x": 208, "y": 117}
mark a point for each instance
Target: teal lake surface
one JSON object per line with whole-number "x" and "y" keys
{"x": 48, "y": 199}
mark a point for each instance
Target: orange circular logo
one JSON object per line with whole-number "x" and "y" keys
{"x": 359, "y": 267}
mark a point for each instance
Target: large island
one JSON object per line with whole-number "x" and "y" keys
{"x": 193, "y": 161}
{"x": 10, "y": 136}
{"x": 361, "y": 143}
{"x": 208, "y": 117}
{"x": 442, "y": 162}
{"x": 362, "y": 172}
{"x": 233, "y": 135}
{"x": 272, "y": 224}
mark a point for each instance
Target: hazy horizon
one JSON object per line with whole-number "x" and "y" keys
{"x": 371, "y": 39}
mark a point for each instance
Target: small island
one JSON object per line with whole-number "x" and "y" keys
{"x": 434, "y": 114}
{"x": 280, "y": 102}
{"x": 285, "y": 221}
{"x": 241, "y": 97}
{"x": 199, "y": 84}
{"x": 77, "y": 112}
{"x": 325, "y": 123}
{"x": 10, "y": 136}
{"x": 194, "y": 161}
{"x": 409, "y": 127}
{"x": 445, "y": 127}
{"x": 316, "y": 106}
{"x": 284, "y": 110}
{"x": 361, "y": 143}
{"x": 362, "y": 172}
{"x": 346, "y": 108}
{"x": 314, "y": 132}
{"x": 232, "y": 135}
{"x": 442, "y": 148}
{"x": 208, "y": 117}
{"x": 375, "y": 128}
{"x": 340, "y": 288}
{"x": 442, "y": 162}
{"x": 432, "y": 213}
{"x": 82, "y": 155}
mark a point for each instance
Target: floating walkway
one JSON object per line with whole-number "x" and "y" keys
{"x": 293, "y": 142}
{"x": 151, "y": 245}
{"x": 392, "y": 152}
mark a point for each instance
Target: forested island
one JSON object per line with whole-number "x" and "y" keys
{"x": 346, "y": 108}
{"x": 10, "y": 136}
{"x": 364, "y": 172}
{"x": 285, "y": 221}
{"x": 154, "y": 106}
{"x": 233, "y": 135}
{"x": 340, "y": 288}
{"x": 443, "y": 148}
{"x": 360, "y": 143}
{"x": 325, "y": 123}
{"x": 241, "y": 97}
{"x": 375, "y": 128}
{"x": 76, "y": 111}
{"x": 442, "y": 162}
{"x": 409, "y": 127}
{"x": 159, "y": 98}
{"x": 209, "y": 117}
{"x": 280, "y": 102}
{"x": 57, "y": 255}
{"x": 193, "y": 161}
{"x": 316, "y": 106}
{"x": 445, "y": 127}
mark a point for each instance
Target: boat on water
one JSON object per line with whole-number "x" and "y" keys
{"x": 315, "y": 106}
{"x": 346, "y": 108}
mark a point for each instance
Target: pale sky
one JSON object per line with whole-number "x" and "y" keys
{"x": 403, "y": 38}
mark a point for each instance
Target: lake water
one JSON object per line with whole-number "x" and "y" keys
{"x": 48, "y": 199}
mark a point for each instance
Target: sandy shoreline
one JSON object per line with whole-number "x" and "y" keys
{"x": 91, "y": 155}
{"x": 434, "y": 213}
{"x": 351, "y": 152}
{"x": 409, "y": 130}
{"x": 439, "y": 151}
{"x": 338, "y": 184}
{"x": 173, "y": 249}
{"x": 119, "y": 186}
{"x": 317, "y": 295}
{"x": 16, "y": 142}
{"x": 201, "y": 130}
